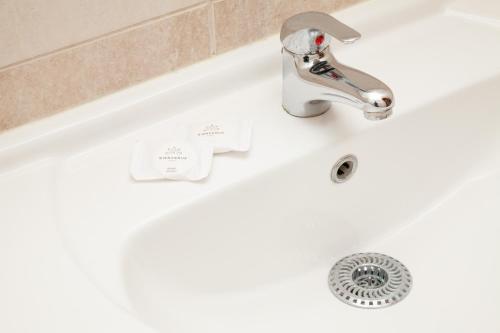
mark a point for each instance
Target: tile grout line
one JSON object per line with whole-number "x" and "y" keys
{"x": 105, "y": 36}
{"x": 211, "y": 27}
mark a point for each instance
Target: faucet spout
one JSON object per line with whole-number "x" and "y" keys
{"x": 311, "y": 83}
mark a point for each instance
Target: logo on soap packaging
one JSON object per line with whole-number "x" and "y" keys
{"x": 172, "y": 154}
{"x": 211, "y": 130}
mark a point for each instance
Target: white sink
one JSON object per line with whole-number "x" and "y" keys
{"x": 249, "y": 249}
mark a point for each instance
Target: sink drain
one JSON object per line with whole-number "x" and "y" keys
{"x": 369, "y": 280}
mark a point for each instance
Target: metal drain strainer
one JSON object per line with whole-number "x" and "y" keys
{"x": 369, "y": 280}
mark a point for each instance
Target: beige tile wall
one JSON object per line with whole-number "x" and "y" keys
{"x": 33, "y": 27}
{"x": 52, "y": 62}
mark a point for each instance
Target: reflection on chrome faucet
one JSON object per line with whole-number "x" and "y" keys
{"x": 313, "y": 78}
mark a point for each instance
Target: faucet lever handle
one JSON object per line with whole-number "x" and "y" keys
{"x": 304, "y": 33}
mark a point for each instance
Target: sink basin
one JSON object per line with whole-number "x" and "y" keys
{"x": 249, "y": 249}
{"x": 258, "y": 252}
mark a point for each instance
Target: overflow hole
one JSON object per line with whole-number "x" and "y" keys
{"x": 344, "y": 168}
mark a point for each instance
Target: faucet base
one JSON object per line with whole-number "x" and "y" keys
{"x": 309, "y": 109}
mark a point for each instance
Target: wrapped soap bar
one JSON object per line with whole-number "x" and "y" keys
{"x": 175, "y": 160}
{"x": 224, "y": 135}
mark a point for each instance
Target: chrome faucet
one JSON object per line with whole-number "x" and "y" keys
{"x": 313, "y": 78}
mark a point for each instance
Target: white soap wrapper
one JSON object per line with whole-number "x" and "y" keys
{"x": 224, "y": 135}
{"x": 175, "y": 160}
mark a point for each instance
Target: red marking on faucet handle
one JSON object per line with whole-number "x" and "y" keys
{"x": 319, "y": 40}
